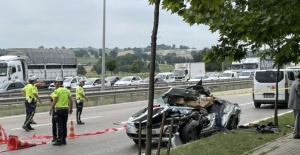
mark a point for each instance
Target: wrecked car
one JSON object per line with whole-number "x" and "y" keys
{"x": 197, "y": 113}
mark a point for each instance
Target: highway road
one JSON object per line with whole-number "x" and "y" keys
{"x": 101, "y": 118}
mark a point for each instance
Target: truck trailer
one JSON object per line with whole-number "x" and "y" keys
{"x": 184, "y": 71}
{"x": 45, "y": 64}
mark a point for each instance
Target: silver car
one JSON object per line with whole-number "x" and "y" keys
{"x": 192, "y": 121}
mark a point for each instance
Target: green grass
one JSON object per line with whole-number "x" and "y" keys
{"x": 234, "y": 142}
{"x": 166, "y": 67}
{"x": 82, "y": 60}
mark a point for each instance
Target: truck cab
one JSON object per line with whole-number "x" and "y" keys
{"x": 10, "y": 68}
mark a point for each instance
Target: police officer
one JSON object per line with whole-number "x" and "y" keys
{"x": 79, "y": 100}
{"x": 53, "y": 119}
{"x": 30, "y": 103}
{"x": 60, "y": 107}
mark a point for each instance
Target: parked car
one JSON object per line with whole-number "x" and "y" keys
{"x": 157, "y": 80}
{"x": 229, "y": 75}
{"x": 71, "y": 82}
{"x": 197, "y": 78}
{"x": 11, "y": 86}
{"x": 246, "y": 74}
{"x": 213, "y": 76}
{"x": 196, "y": 113}
{"x": 167, "y": 76}
{"x": 113, "y": 79}
{"x": 51, "y": 86}
{"x": 128, "y": 80}
{"x": 94, "y": 83}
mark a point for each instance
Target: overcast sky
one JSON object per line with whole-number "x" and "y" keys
{"x": 79, "y": 23}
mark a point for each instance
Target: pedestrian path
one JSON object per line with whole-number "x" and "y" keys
{"x": 286, "y": 145}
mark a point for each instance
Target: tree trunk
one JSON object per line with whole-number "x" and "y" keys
{"x": 276, "y": 99}
{"x": 151, "y": 79}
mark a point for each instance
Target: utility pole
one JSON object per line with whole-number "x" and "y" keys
{"x": 103, "y": 51}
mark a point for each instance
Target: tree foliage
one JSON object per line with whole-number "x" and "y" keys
{"x": 81, "y": 70}
{"x": 111, "y": 64}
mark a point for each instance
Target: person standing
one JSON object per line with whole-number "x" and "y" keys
{"x": 30, "y": 92}
{"x": 53, "y": 119}
{"x": 294, "y": 103}
{"x": 79, "y": 101}
{"x": 60, "y": 107}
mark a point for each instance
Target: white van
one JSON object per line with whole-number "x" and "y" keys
{"x": 264, "y": 88}
{"x": 229, "y": 75}
{"x": 167, "y": 76}
{"x": 246, "y": 74}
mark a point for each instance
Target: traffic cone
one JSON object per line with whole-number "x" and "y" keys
{"x": 72, "y": 134}
{"x": 14, "y": 143}
{"x": 2, "y": 141}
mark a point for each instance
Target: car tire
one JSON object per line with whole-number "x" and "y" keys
{"x": 190, "y": 132}
{"x": 232, "y": 123}
{"x": 257, "y": 105}
{"x": 136, "y": 141}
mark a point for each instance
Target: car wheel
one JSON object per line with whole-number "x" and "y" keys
{"x": 136, "y": 141}
{"x": 190, "y": 132}
{"x": 257, "y": 105}
{"x": 232, "y": 123}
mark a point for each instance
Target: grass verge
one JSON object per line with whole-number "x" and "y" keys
{"x": 235, "y": 142}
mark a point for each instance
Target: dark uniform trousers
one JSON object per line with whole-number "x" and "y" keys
{"x": 30, "y": 110}
{"x": 54, "y": 126}
{"x": 61, "y": 119}
{"x": 79, "y": 107}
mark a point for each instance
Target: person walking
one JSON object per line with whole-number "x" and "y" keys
{"x": 30, "y": 93}
{"x": 60, "y": 107}
{"x": 294, "y": 103}
{"x": 79, "y": 101}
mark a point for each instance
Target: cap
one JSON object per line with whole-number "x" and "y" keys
{"x": 81, "y": 80}
{"x": 32, "y": 78}
{"x": 58, "y": 79}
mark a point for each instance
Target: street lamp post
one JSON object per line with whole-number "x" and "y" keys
{"x": 103, "y": 51}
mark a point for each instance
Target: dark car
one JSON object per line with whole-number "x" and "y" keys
{"x": 113, "y": 79}
{"x": 196, "y": 114}
{"x": 11, "y": 86}
{"x": 157, "y": 80}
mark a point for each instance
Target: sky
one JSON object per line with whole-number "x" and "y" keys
{"x": 79, "y": 23}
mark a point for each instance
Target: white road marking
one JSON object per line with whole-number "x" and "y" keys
{"x": 51, "y": 123}
{"x": 246, "y": 103}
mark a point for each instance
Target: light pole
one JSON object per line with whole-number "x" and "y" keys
{"x": 103, "y": 51}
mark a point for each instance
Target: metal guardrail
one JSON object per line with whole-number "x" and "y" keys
{"x": 130, "y": 92}
{"x": 113, "y": 88}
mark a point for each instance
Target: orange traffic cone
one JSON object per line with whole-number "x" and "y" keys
{"x": 1, "y": 137}
{"x": 72, "y": 134}
{"x": 14, "y": 143}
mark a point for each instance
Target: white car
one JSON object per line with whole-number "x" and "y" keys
{"x": 246, "y": 74}
{"x": 197, "y": 78}
{"x": 128, "y": 80}
{"x": 213, "y": 76}
{"x": 71, "y": 82}
{"x": 94, "y": 83}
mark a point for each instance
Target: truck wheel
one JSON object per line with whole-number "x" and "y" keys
{"x": 189, "y": 132}
{"x": 136, "y": 141}
{"x": 257, "y": 105}
{"x": 232, "y": 123}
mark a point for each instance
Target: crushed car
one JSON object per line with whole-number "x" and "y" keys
{"x": 197, "y": 114}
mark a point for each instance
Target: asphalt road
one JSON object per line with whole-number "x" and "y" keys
{"x": 101, "y": 118}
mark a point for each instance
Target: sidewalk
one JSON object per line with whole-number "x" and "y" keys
{"x": 286, "y": 145}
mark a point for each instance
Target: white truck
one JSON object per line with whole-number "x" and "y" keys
{"x": 257, "y": 63}
{"x": 45, "y": 64}
{"x": 237, "y": 66}
{"x": 184, "y": 71}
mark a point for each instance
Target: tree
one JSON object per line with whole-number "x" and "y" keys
{"x": 81, "y": 70}
{"x": 246, "y": 25}
{"x": 113, "y": 53}
{"x": 137, "y": 66}
{"x": 111, "y": 65}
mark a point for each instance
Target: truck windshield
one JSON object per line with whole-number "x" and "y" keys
{"x": 3, "y": 71}
{"x": 236, "y": 67}
{"x": 163, "y": 76}
{"x": 178, "y": 72}
{"x": 249, "y": 66}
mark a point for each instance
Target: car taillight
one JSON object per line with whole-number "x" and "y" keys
{"x": 156, "y": 105}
